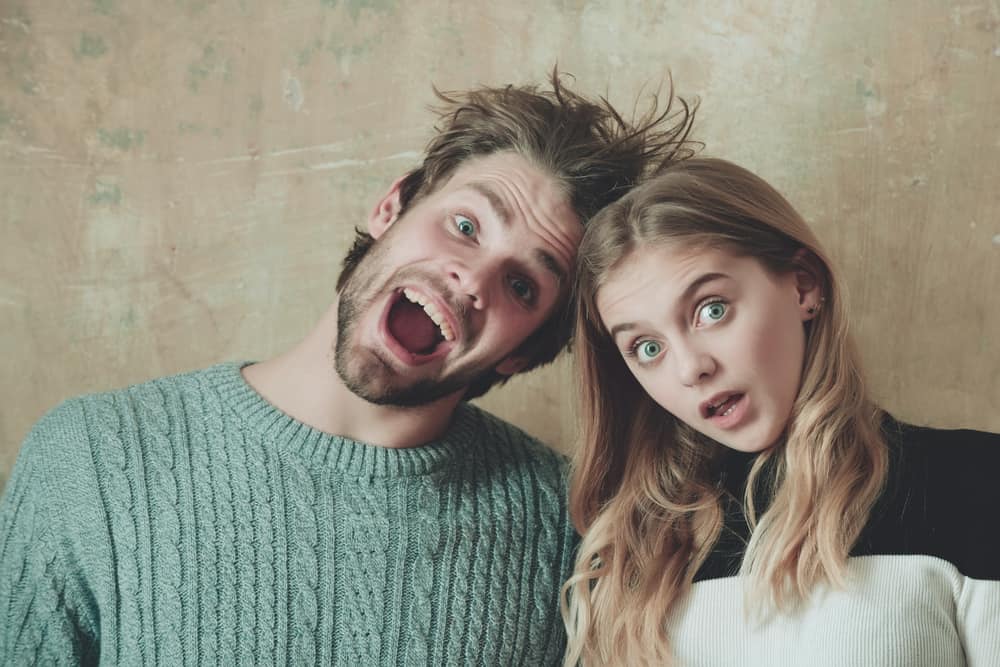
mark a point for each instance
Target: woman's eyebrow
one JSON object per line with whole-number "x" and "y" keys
{"x": 698, "y": 282}
{"x": 624, "y": 326}
{"x": 685, "y": 296}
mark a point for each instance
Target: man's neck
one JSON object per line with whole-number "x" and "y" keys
{"x": 304, "y": 384}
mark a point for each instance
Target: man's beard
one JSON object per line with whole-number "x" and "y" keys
{"x": 372, "y": 379}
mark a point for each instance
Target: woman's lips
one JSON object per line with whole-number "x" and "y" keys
{"x": 730, "y": 412}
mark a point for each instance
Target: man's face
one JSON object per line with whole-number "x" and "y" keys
{"x": 453, "y": 286}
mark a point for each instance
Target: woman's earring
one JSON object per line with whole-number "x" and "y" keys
{"x": 812, "y": 310}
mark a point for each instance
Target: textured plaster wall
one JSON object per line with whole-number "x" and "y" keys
{"x": 179, "y": 180}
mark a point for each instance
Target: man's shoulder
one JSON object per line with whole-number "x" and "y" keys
{"x": 91, "y": 419}
{"x": 508, "y": 441}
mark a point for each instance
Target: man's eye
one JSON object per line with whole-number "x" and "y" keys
{"x": 465, "y": 226}
{"x": 523, "y": 289}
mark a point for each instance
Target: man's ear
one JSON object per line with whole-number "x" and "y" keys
{"x": 386, "y": 210}
{"x": 510, "y": 365}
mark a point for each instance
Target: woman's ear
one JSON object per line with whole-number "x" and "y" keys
{"x": 386, "y": 211}
{"x": 808, "y": 284}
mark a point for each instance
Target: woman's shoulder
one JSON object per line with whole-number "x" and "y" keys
{"x": 941, "y": 498}
{"x": 949, "y": 465}
{"x": 912, "y": 441}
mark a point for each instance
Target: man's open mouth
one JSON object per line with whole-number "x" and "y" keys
{"x": 417, "y": 323}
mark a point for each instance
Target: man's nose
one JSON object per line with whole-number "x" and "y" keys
{"x": 472, "y": 280}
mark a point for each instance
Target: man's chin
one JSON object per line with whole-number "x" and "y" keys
{"x": 420, "y": 393}
{"x": 378, "y": 383}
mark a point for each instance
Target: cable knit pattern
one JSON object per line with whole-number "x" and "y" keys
{"x": 188, "y": 521}
{"x": 165, "y": 525}
{"x": 118, "y": 474}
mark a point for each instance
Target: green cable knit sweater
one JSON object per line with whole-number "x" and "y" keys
{"x": 188, "y": 521}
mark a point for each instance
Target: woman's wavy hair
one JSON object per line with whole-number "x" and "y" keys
{"x": 646, "y": 493}
{"x": 595, "y": 154}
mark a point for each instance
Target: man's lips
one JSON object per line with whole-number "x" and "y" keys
{"x": 441, "y": 349}
{"x": 435, "y": 309}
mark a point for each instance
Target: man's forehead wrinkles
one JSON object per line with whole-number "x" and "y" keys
{"x": 499, "y": 206}
{"x": 504, "y": 214}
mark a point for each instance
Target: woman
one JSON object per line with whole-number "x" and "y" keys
{"x": 742, "y": 501}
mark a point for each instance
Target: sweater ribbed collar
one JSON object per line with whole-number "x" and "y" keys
{"x": 343, "y": 454}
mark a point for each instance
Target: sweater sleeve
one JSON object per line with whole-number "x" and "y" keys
{"x": 978, "y": 612}
{"x": 46, "y": 615}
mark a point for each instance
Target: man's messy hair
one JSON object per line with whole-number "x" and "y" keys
{"x": 595, "y": 154}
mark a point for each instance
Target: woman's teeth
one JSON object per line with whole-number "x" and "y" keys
{"x": 732, "y": 400}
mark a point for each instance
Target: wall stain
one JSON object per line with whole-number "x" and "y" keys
{"x": 256, "y": 104}
{"x": 106, "y": 7}
{"x": 210, "y": 63}
{"x": 292, "y": 91}
{"x": 20, "y": 20}
{"x": 22, "y": 69}
{"x": 863, "y": 90}
{"x": 306, "y": 54}
{"x": 184, "y": 127}
{"x": 355, "y": 7}
{"x": 874, "y": 105}
{"x": 198, "y": 6}
{"x": 121, "y": 138}
{"x": 106, "y": 194}
{"x": 128, "y": 319}
{"x": 90, "y": 46}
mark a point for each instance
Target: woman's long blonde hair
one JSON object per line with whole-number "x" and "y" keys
{"x": 644, "y": 495}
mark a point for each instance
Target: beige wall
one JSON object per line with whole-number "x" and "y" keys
{"x": 178, "y": 180}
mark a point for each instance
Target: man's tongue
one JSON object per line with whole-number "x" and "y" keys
{"x": 411, "y": 326}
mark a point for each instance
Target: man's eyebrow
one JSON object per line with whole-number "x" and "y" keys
{"x": 498, "y": 205}
{"x": 502, "y": 213}
{"x": 551, "y": 265}
{"x": 686, "y": 296}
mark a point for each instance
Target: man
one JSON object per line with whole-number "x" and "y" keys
{"x": 342, "y": 503}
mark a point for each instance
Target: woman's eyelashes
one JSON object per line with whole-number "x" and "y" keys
{"x": 644, "y": 350}
{"x": 710, "y": 311}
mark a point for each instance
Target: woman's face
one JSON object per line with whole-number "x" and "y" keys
{"x": 714, "y": 338}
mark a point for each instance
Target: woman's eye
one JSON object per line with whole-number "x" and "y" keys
{"x": 648, "y": 350}
{"x": 712, "y": 312}
{"x": 523, "y": 289}
{"x": 465, "y": 226}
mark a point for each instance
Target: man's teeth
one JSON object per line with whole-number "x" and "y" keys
{"x": 432, "y": 312}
